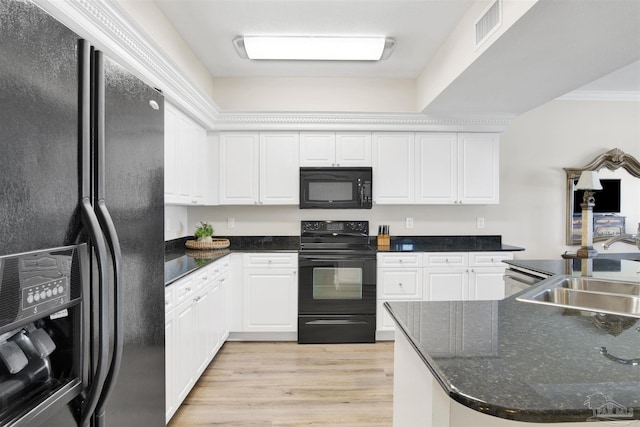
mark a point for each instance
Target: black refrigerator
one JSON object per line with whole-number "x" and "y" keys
{"x": 81, "y": 231}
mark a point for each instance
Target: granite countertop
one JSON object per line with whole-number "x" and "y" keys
{"x": 603, "y": 265}
{"x": 523, "y": 361}
{"x": 180, "y": 261}
{"x": 447, "y": 244}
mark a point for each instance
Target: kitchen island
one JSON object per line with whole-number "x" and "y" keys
{"x": 495, "y": 363}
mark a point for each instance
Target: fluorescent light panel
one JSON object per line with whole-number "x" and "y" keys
{"x": 315, "y": 48}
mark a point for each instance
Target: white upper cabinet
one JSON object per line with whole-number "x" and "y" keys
{"x": 335, "y": 149}
{"x": 279, "y": 170}
{"x": 393, "y": 168}
{"x": 353, "y": 149}
{"x": 259, "y": 168}
{"x": 458, "y": 168}
{"x": 171, "y": 145}
{"x": 436, "y": 168}
{"x": 186, "y": 170}
{"x": 479, "y": 166}
{"x": 239, "y": 162}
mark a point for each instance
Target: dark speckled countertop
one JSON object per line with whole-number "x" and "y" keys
{"x": 179, "y": 261}
{"x": 527, "y": 362}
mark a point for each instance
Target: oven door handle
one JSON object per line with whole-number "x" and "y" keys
{"x": 330, "y": 258}
{"x": 336, "y": 322}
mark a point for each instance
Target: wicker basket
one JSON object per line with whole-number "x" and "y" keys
{"x": 215, "y": 244}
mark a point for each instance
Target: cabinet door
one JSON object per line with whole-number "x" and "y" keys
{"x": 185, "y": 342}
{"x": 486, "y": 283}
{"x": 393, "y": 168}
{"x": 479, "y": 166}
{"x": 205, "y": 333}
{"x": 171, "y": 146}
{"x": 279, "y": 168}
{"x": 270, "y": 300}
{"x": 186, "y": 159}
{"x": 353, "y": 149}
{"x": 169, "y": 364}
{"x": 239, "y": 168}
{"x": 199, "y": 162}
{"x": 436, "y": 168}
{"x": 317, "y": 149}
{"x": 399, "y": 283}
{"x": 446, "y": 284}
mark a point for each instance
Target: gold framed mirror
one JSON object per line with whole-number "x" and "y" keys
{"x": 612, "y": 160}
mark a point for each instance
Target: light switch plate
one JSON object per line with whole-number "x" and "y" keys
{"x": 408, "y": 222}
{"x": 479, "y": 222}
{"x": 231, "y": 222}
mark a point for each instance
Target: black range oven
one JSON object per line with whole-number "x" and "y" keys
{"x": 336, "y": 283}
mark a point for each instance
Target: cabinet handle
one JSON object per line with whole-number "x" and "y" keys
{"x": 400, "y": 261}
{"x": 187, "y": 290}
{"x": 400, "y": 284}
{"x": 205, "y": 278}
{"x": 196, "y": 299}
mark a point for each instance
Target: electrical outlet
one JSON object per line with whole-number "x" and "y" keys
{"x": 408, "y": 222}
{"x": 231, "y": 222}
{"x": 479, "y": 222}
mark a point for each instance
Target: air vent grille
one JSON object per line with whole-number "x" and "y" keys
{"x": 488, "y": 22}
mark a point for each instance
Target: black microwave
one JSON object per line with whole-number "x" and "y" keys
{"x": 335, "y": 188}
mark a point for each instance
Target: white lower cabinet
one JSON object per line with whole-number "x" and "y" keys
{"x": 437, "y": 276}
{"x": 196, "y": 325}
{"x": 270, "y": 292}
{"x": 399, "y": 278}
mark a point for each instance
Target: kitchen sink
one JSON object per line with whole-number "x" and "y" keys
{"x": 587, "y": 293}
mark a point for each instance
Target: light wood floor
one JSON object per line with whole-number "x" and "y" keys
{"x": 287, "y": 384}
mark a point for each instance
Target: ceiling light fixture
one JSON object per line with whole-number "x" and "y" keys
{"x": 313, "y": 48}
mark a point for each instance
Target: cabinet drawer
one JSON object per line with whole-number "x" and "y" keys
{"x": 184, "y": 289}
{"x": 441, "y": 259}
{"x": 405, "y": 259}
{"x": 169, "y": 297}
{"x": 400, "y": 283}
{"x": 203, "y": 276}
{"x": 489, "y": 259}
{"x": 270, "y": 260}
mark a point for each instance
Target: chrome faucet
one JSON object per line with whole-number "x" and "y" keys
{"x": 619, "y": 237}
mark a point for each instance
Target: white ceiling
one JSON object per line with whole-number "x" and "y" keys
{"x": 418, "y": 26}
{"x": 557, "y": 47}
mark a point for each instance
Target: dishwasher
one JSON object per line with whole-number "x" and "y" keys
{"x": 517, "y": 279}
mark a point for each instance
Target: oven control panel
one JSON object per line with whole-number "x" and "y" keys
{"x": 339, "y": 227}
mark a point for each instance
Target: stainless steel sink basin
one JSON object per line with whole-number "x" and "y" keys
{"x": 587, "y": 293}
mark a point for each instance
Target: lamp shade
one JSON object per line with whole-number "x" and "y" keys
{"x": 589, "y": 181}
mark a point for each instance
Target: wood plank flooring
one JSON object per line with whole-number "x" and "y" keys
{"x": 287, "y": 384}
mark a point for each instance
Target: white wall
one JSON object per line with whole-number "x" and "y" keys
{"x": 176, "y": 222}
{"x": 534, "y": 150}
{"x": 315, "y": 94}
{"x": 153, "y": 21}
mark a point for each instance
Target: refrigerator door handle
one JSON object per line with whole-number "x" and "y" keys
{"x": 110, "y": 232}
{"x": 92, "y": 225}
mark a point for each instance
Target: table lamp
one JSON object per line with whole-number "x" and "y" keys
{"x": 588, "y": 182}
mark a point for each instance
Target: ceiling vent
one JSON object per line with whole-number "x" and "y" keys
{"x": 489, "y": 22}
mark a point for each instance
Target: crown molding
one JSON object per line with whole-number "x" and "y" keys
{"x": 600, "y": 95}
{"x": 356, "y": 121}
{"x": 109, "y": 27}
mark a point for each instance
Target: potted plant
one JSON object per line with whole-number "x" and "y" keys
{"x": 204, "y": 232}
